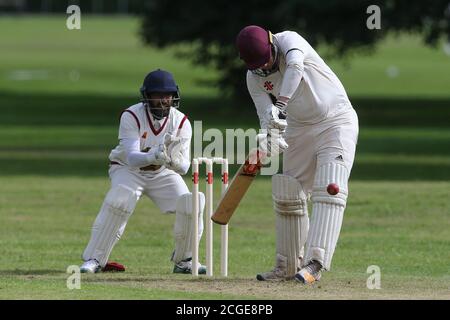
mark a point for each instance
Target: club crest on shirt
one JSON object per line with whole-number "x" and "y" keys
{"x": 144, "y": 136}
{"x": 268, "y": 85}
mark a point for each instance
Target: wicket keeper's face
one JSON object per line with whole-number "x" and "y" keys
{"x": 161, "y": 99}
{"x": 160, "y": 103}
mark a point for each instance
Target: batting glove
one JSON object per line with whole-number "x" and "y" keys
{"x": 282, "y": 106}
{"x": 273, "y": 120}
{"x": 272, "y": 143}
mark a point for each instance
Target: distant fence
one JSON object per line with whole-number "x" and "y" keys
{"x": 59, "y": 6}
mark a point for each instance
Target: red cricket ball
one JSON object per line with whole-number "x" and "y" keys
{"x": 333, "y": 189}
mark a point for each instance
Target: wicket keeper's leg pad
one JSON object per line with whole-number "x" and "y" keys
{"x": 183, "y": 228}
{"x": 291, "y": 210}
{"x": 118, "y": 206}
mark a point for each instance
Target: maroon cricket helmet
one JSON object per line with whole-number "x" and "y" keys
{"x": 254, "y": 46}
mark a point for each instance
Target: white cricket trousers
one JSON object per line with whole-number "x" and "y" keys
{"x": 308, "y": 143}
{"x": 162, "y": 188}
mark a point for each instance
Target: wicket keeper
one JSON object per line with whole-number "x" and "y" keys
{"x": 153, "y": 153}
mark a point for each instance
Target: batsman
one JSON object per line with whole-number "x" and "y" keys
{"x": 286, "y": 78}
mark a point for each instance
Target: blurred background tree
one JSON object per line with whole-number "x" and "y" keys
{"x": 338, "y": 24}
{"x": 58, "y": 6}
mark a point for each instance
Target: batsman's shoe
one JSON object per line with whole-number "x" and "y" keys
{"x": 90, "y": 266}
{"x": 277, "y": 274}
{"x": 310, "y": 273}
{"x": 185, "y": 266}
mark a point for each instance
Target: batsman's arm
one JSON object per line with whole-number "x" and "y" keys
{"x": 268, "y": 113}
{"x": 294, "y": 50}
{"x": 261, "y": 100}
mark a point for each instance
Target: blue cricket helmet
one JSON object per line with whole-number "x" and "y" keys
{"x": 160, "y": 81}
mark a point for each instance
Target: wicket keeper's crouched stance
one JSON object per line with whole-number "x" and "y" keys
{"x": 154, "y": 150}
{"x": 318, "y": 138}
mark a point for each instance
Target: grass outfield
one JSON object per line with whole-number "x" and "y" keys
{"x": 386, "y": 224}
{"x": 105, "y": 57}
{"x": 60, "y": 94}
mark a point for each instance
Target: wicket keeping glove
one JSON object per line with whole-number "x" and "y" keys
{"x": 175, "y": 149}
{"x": 158, "y": 155}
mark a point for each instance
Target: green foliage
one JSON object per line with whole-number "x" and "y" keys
{"x": 213, "y": 26}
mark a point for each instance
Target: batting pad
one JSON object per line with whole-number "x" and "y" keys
{"x": 291, "y": 221}
{"x": 327, "y": 213}
{"x": 110, "y": 223}
{"x": 183, "y": 226}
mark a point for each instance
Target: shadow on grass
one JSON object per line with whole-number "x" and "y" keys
{"x": 47, "y": 109}
{"x": 433, "y": 115}
{"x": 400, "y": 172}
{"x": 95, "y": 168}
{"x": 38, "y": 272}
{"x": 402, "y": 112}
{"x": 59, "y": 110}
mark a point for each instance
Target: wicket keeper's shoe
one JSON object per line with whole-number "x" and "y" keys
{"x": 310, "y": 273}
{"x": 112, "y": 266}
{"x": 185, "y": 266}
{"x": 90, "y": 266}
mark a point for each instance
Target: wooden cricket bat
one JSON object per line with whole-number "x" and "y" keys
{"x": 238, "y": 187}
